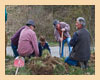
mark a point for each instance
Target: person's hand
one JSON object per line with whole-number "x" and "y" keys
{"x": 61, "y": 39}
{"x": 63, "y": 29}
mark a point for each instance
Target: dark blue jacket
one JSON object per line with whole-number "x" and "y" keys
{"x": 74, "y": 39}
{"x": 41, "y": 48}
{"x": 81, "y": 45}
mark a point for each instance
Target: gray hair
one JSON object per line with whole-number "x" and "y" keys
{"x": 82, "y": 21}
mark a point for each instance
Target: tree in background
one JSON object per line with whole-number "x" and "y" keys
{"x": 44, "y": 16}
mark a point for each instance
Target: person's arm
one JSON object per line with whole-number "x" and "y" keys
{"x": 74, "y": 39}
{"x": 67, "y": 28}
{"x": 48, "y": 48}
{"x": 35, "y": 43}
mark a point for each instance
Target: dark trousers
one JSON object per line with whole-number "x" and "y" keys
{"x": 14, "y": 48}
{"x": 32, "y": 55}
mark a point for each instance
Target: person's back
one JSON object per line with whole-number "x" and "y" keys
{"x": 67, "y": 28}
{"x": 82, "y": 47}
{"x": 66, "y": 32}
{"x": 28, "y": 44}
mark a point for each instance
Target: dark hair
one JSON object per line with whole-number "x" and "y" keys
{"x": 28, "y": 25}
{"x": 55, "y": 22}
{"x": 42, "y": 39}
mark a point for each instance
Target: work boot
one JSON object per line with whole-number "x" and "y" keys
{"x": 82, "y": 65}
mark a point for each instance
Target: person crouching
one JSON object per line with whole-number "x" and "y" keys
{"x": 28, "y": 45}
{"x": 43, "y": 45}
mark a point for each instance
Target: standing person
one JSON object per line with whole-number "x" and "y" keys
{"x": 60, "y": 27}
{"x": 43, "y": 45}
{"x": 27, "y": 44}
{"x": 81, "y": 45}
{"x": 14, "y": 41}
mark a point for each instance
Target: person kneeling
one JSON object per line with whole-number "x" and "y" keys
{"x": 81, "y": 45}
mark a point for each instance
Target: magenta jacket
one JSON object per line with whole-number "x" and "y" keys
{"x": 66, "y": 32}
{"x": 28, "y": 42}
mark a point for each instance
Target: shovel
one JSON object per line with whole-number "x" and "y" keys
{"x": 61, "y": 44}
{"x": 18, "y": 62}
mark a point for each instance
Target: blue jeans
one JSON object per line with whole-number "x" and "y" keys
{"x": 71, "y": 62}
{"x": 14, "y": 48}
{"x": 64, "y": 41}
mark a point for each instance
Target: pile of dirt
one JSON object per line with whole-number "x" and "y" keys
{"x": 47, "y": 65}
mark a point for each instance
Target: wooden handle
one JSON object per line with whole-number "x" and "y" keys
{"x": 16, "y": 70}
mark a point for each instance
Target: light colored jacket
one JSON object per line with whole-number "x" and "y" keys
{"x": 28, "y": 42}
{"x": 66, "y": 32}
